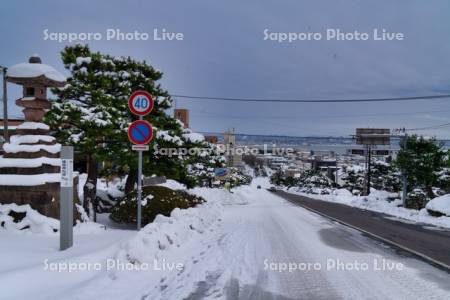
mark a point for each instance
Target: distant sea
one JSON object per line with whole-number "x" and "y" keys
{"x": 337, "y": 144}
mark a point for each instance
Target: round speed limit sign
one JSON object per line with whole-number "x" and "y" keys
{"x": 140, "y": 103}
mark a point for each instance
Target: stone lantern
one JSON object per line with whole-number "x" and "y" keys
{"x": 30, "y": 166}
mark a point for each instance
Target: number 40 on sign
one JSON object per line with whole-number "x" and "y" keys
{"x": 140, "y": 103}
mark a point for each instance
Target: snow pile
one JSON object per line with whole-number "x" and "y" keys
{"x": 33, "y": 125}
{"x": 169, "y": 233}
{"x": 173, "y": 184}
{"x": 440, "y": 205}
{"x": 30, "y": 139}
{"x": 28, "y": 98}
{"x": 29, "y": 70}
{"x": 28, "y": 162}
{"x": 29, "y": 180}
{"x": 13, "y": 148}
{"x": 383, "y": 202}
{"x": 33, "y": 221}
{"x": 85, "y": 226}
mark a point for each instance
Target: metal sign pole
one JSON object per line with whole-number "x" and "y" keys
{"x": 66, "y": 198}
{"x": 139, "y": 188}
{"x": 140, "y": 134}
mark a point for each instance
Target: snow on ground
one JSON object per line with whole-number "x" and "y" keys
{"x": 35, "y": 223}
{"x": 248, "y": 244}
{"x": 173, "y": 184}
{"x": 378, "y": 201}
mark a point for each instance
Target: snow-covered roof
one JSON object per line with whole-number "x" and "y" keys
{"x": 34, "y": 70}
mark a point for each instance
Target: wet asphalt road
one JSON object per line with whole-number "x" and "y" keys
{"x": 426, "y": 240}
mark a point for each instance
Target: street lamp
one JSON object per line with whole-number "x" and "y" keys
{"x": 5, "y": 106}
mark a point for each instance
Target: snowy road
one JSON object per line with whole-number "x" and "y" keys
{"x": 270, "y": 230}
{"x": 243, "y": 255}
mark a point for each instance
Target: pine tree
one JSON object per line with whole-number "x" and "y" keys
{"x": 421, "y": 160}
{"x": 91, "y": 114}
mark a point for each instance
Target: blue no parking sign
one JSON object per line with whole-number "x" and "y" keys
{"x": 140, "y": 132}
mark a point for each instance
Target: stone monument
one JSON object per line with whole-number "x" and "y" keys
{"x": 30, "y": 166}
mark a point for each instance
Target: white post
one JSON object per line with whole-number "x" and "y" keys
{"x": 66, "y": 198}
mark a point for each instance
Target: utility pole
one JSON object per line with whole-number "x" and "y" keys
{"x": 5, "y": 106}
{"x": 404, "y": 178}
{"x": 369, "y": 158}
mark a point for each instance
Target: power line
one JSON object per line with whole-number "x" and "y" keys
{"x": 429, "y": 127}
{"x": 312, "y": 116}
{"x": 390, "y": 99}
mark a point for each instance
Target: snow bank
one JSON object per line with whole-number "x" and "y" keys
{"x": 440, "y": 204}
{"x": 166, "y": 233}
{"x": 29, "y": 70}
{"x": 33, "y": 221}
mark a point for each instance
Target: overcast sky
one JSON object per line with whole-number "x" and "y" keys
{"x": 224, "y": 54}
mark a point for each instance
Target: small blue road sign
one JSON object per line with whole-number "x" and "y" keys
{"x": 140, "y": 132}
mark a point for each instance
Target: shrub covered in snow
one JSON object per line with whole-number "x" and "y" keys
{"x": 353, "y": 179}
{"x": 156, "y": 200}
{"x": 385, "y": 176}
{"x": 237, "y": 177}
{"x": 444, "y": 180}
{"x": 417, "y": 199}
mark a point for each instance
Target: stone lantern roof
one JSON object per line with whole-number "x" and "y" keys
{"x": 34, "y": 72}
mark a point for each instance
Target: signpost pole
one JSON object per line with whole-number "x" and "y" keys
{"x": 140, "y": 134}
{"x": 66, "y": 199}
{"x": 139, "y": 189}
